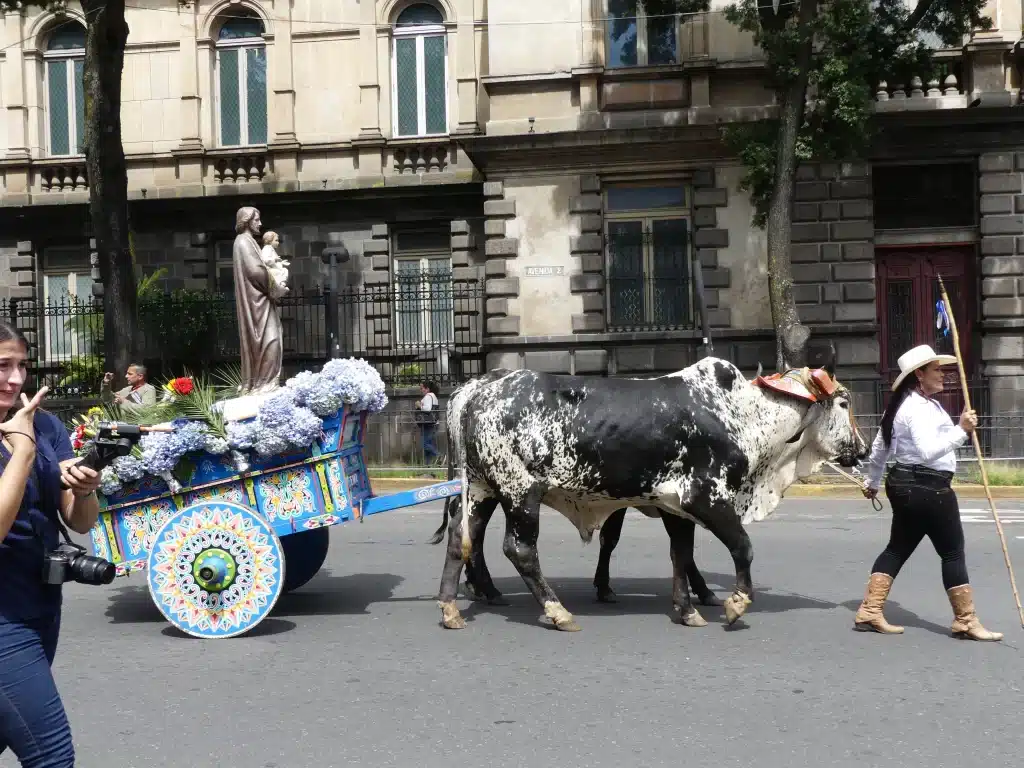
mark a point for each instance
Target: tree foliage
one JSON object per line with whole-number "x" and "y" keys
{"x": 854, "y": 45}
{"x": 824, "y": 61}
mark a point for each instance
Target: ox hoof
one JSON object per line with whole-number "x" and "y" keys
{"x": 735, "y": 606}
{"x": 562, "y": 618}
{"x": 450, "y": 616}
{"x": 709, "y": 599}
{"x": 691, "y": 618}
{"x": 606, "y": 595}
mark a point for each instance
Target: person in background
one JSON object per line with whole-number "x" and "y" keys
{"x": 35, "y": 457}
{"x": 917, "y": 432}
{"x": 138, "y": 391}
{"x": 428, "y": 415}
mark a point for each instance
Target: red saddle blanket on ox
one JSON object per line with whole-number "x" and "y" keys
{"x": 802, "y": 383}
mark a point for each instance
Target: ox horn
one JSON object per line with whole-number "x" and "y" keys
{"x": 809, "y": 418}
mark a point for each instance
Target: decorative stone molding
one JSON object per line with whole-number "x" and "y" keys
{"x": 377, "y": 277}
{"x": 708, "y": 238}
{"x": 24, "y": 289}
{"x": 588, "y": 246}
{"x": 65, "y": 177}
{"x": 499, "y": 288}
{"x": 428, "y": 158}
{"x": 832, "y": 244}
{"x": 239, "y": 168}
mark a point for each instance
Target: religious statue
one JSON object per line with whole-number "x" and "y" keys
{"x": 256, "y": 300}
{"x": 278, "y": 267}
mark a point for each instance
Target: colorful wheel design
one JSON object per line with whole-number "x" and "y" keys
{"x": 304, "y": 553}
{"x": 216, "y": 569}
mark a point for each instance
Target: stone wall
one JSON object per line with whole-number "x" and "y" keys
{"x": 502, "y": 316}
{"x": 1001, "y": 186}
{"x": 833, "y": 256}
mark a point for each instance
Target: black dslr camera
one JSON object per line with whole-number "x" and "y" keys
{"x": 68, "y": 562}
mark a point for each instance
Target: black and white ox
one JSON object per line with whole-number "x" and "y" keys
{"x": 702, "y": 445}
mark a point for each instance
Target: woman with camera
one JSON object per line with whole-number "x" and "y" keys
{"x": 39, "y": 488}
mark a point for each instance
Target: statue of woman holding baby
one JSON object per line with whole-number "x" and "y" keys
{"x": 257, "y": 291}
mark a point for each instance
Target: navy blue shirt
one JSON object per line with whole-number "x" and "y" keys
{"x": 23, "y": 596}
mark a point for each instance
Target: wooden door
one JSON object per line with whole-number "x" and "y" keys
{"x": 908, "y": 292}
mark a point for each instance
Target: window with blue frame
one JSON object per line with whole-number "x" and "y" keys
{"x": 242, "y": 82}
{"x": 420, "y": 72}
{"x": 637, "y": 38}
{"x": 65, "y": 90}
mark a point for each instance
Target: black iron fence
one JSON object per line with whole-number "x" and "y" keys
{"x": 417, "y": 329}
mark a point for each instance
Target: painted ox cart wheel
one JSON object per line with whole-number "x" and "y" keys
{"x": 304, "y": 554}
{"x": 216, "y": 569}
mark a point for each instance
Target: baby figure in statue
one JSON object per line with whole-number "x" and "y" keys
{"x": 277, "y": 266}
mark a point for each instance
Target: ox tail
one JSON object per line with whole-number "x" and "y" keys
{"x": 467, "y": 544}
{"x": 439, "y": 533}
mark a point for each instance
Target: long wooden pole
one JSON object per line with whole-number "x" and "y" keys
{"x": 977, "y": 446}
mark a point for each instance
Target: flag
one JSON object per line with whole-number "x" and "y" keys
{"x": 941, "y": 319}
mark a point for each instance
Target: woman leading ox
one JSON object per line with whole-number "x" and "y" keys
{"x": 919, "y": 435}
{"x": 35, "y": 457}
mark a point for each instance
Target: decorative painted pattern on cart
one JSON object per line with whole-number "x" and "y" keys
{"x": 142, "y": 523}
{"x": 100, "y": 546}
{"x": 287, "y": 494}
{"x": 248, "y": 587}
{"x": 337, "y": 486}
{"x": 233, "y": 493}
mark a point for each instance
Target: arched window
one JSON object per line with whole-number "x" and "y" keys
{"x": 419, "y": 72}
{"x": 65, "y": 89}
{"x": 242, "y": 81}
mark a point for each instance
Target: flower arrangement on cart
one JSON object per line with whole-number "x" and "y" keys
{"x": 290, "y": 419}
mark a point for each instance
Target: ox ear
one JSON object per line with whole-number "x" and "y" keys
{"x": 812, "y": 415}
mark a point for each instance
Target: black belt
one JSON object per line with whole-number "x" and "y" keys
{"x": 920, "y": 472}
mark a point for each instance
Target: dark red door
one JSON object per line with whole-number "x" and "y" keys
{"x": 908, "y": 292}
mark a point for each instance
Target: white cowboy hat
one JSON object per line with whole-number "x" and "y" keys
{"x": 916, "y": 358}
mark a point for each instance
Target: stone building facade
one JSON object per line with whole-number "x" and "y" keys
{"x": 561, "y": 162}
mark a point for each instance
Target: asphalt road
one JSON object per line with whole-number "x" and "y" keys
{"x": 354, "y": 669}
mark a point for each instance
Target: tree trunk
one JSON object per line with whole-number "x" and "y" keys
{"x": 790, "y": 336}
{"x": 106, "y": 35}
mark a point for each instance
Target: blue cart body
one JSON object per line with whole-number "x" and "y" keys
{"x": 283, "y": 502}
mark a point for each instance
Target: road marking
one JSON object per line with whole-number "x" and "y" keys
{"x": 1006, "y": 516}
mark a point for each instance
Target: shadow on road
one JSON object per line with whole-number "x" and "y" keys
{"x": 635, "y": 597}
{"x": 324, "y": 595}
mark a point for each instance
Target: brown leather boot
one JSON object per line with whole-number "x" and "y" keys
{"x": 965, "y": 621}
{"x": 869, "y": 617}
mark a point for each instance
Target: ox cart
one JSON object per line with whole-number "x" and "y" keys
{"x": 221, "y": 548}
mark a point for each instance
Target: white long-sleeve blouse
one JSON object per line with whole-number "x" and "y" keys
{"x": 922, "y": 434}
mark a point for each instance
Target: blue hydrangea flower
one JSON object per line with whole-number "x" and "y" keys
{"x": 128, "y": 468}
{"x": 315, "y": 392}
{"x": 109, "y": 482}
{"x": 216, "y": 445}
{"x": 162, "y": 450}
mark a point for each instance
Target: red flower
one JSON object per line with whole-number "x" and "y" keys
{"x": 79, "y": 438}
{"x": 182, "y": 386}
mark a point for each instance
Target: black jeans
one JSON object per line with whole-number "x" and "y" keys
{"x": 923, "y": 504}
